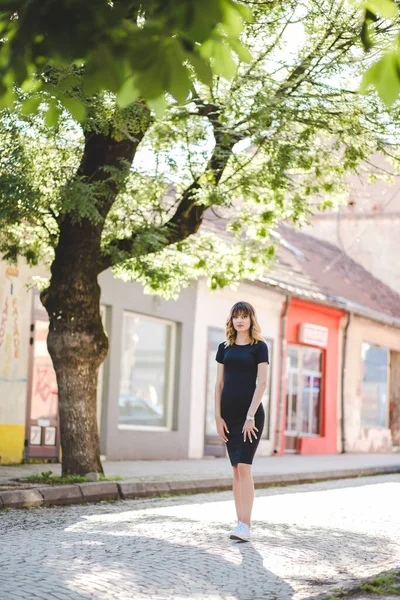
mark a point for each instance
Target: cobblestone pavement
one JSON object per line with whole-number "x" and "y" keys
{"x": 306, "y": 540}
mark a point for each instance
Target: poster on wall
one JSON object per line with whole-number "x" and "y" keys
{"x": 35, "y": 437}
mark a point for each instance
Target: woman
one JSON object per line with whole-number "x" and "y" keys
{"x": 239, "y": 415}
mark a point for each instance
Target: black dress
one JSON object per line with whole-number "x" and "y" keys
{"x": 240, "y": 375}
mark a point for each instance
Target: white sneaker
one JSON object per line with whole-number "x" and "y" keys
{"x": 233, "y": 534}
{"x": 242, "y": 532}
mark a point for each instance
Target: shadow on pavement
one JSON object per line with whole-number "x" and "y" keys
{"x": 124, "y": 559}
{"x": 131, "y": 552}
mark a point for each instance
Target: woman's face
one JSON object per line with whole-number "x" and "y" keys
{"x": 241, "y": 322}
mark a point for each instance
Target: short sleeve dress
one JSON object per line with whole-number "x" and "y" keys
{"x": 240, "y": 377}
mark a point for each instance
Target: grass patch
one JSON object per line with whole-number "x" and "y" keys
{"x": 387, "y": 584}
{"x": 51, "y": 478}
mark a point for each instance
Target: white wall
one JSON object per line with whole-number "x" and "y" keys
{"x": 212, "y": 310}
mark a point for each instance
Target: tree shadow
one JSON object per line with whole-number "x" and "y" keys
{"x": 134, "y": 551}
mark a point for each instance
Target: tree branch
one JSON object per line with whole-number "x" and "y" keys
{"x": 188, "y": 215}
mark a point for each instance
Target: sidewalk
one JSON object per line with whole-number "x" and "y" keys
{"x": 216, "y": 468}
{"x": 151, "y": 478}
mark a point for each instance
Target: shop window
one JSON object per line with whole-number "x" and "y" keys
{"x": 374, "y": 403}
{"x": 147, "y": 372}
{"x": 303, "y": 390}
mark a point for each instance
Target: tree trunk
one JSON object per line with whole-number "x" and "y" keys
{"x": 77, "y": 343}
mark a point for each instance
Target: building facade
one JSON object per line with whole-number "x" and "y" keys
{"x": 334, "y": 373}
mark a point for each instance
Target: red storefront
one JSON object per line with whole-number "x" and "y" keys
{"x": 308, "y": 402}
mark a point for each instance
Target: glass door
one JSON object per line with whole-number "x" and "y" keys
{"x": 42, "y": 439}
{"x": 213, "y": 445}
{"x": 303, "y": 394}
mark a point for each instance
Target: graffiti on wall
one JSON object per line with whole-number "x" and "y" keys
{"x": 44, "y": 384}
{"x": 10, "y": 341}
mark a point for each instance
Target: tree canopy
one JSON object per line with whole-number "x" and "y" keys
{"x": 285, "y": 129}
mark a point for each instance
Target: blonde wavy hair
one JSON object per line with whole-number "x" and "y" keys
{"x": 245, "y": 309}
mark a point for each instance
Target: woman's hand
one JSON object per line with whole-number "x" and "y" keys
{"x": 249, "y": 429}
{"x": 221, "y": 427}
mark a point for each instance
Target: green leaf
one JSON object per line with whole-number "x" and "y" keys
{"x": 158, "y": 105}
{"x": 52, "y": 114}
{"x": 6, "y": 98}
{"x": 68, "y": 83}
{"x": 151, "y": 83}
{"x": 178, "y": 76}
{"x": 232, "y": 20}
{"x": 203, "y": 17}
{"x": 127, "y": 93}
{"x": 179, "y": 82}
{"x": 385, "y": 8}
{"x": 223, "y": 62}
{"x": 103, "y": 71}
{"x": 75, "y": 107}
{"x": 202, "y": 68}
{"x": 383, "y": 75}
{"x": 31, "y": 105}
{"x": 242, "y": 52}
{"x": 206, "y": 49}
{"x": 31, "y": 84}
{"x": 244, "y": 10}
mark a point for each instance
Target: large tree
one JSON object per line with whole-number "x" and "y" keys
{"x": 195, "y": 193}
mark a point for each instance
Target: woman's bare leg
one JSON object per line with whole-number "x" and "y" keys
{"x": 236, "y": 492}
{"x": 246, "y": 485}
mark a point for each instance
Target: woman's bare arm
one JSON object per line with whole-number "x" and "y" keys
{"x": 262, "y": 376}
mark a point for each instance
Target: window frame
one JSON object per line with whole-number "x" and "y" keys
{"x": 302, "y": 372}
{"x": 387, "y": 350}
{"x": 170, "y": 372}
{"x": 210, "y": 348}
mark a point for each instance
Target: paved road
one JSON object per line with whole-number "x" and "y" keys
{"x": 306, "y": 540}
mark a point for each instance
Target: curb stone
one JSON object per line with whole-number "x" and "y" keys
{"x": 107, "y": 490}
{"x": 211, "y": 485}
{"x": 183, "y": 486}
{"x": 66, "y": 494}
{"x": 140, "y": 489}
{"x": 132, "y": 489}
{"x": 157, "y": 487}
{"x": 96, "y": 492}
{"x": 21, "y": 499}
